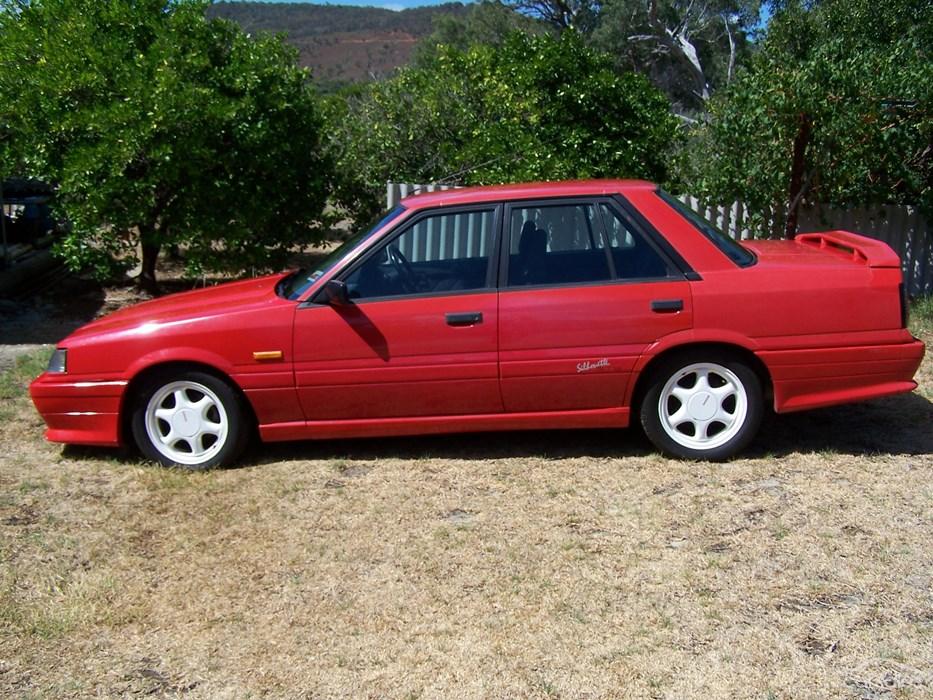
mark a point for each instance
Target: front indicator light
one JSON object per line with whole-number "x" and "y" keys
{"x": 58, "y": 361}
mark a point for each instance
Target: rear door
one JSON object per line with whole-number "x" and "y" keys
{"x": 419, "y": 338}
{"x": 583, "y": 292}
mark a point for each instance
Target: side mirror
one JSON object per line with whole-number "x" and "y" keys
{"x": 337, "y": 293}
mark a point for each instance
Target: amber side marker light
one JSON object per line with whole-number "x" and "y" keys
{"x": 268, "y": 355}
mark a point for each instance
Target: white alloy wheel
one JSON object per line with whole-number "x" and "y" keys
{"x": 703, "y": 406}
{"x": 186, "y": 422}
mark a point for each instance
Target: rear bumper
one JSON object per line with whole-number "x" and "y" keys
{"x": 805, "y": 379}
{"x": 79, "y": 412}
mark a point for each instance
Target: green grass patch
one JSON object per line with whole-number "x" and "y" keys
{"x": 921, "y": 316}
{"x": 14, "y": 383}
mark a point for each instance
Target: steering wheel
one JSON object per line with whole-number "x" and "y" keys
{"x": 405, "y": 272}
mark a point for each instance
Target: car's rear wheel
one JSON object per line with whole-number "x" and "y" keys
{"x": 189, "y": 419}
{"x": 702, "y": 407}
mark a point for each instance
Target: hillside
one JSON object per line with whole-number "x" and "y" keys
{"x": 340, "y": 43}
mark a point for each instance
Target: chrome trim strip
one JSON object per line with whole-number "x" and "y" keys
{"x": 86, "y": 385}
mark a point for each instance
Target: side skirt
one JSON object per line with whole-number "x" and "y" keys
{"x": 429, "y": 425}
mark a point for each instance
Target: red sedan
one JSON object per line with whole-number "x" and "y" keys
{"x": 562, "y": 305}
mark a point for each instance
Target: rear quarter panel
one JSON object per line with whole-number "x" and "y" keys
{"x": 783, "y": 305}
{"x": 828, "y": 334}
{"x": 826, "y": 324}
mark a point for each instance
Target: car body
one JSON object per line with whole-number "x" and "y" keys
{"x": 537, "y": 306}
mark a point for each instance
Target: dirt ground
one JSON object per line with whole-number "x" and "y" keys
{"x": 539, "y": 565}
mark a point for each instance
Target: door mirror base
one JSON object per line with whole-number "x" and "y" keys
{"x": 337, "y": 293}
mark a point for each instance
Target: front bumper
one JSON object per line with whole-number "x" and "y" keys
{"x": 79, "y": 411}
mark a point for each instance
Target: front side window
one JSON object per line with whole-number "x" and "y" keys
{"x": 296, "y": 284}
{"x": 438, "y": 254}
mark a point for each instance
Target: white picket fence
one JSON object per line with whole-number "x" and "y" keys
{"x": 901, "y": 227}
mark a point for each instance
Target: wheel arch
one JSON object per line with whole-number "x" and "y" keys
{"x": 131, "y": 393}
{"x": 649, "y": 369}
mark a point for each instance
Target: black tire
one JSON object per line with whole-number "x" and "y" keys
{"x": 723, "y": 420}
{"x": 204, "y": 413}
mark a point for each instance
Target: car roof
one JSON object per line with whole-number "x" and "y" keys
{"x": 528, "y": 190}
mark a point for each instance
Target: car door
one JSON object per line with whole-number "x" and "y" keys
{"x": 584, "y": 291}
{"x": 419, "y": 337}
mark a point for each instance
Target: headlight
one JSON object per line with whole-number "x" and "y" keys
{"x": 58, "y": 361}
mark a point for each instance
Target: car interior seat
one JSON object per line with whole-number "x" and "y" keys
{"x": 532, "y": 256}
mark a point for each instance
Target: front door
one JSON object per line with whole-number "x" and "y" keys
{"x": 420, "y": 336}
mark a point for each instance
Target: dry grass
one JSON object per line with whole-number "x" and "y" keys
{"x": 516, "y": 565}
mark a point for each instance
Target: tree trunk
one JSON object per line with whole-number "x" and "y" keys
{"x": 147, "y": 277}
{"x": 731, "y": 69}
{"x": 677, "y": 43}
{"x": 797, "y": 168}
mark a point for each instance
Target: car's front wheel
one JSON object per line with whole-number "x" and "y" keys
{"x": 190, "y": 419}
{"x": 702, "y": 407}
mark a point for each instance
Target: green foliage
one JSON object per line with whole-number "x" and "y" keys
{"x": 533, "y": 108}
{"x": 162, "y": 127}
{"x": 860, "y": 74}
{"x": 577, "y": 15}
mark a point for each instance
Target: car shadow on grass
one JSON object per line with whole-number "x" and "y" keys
{"x": 898, "y": 425}
{"x": 547, "y": 445}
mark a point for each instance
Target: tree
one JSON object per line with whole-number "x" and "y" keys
{"x": 161, "y": 127}
{"x": 687, "y": 47}
{"x": 563, "y": 14}
{"x": 534, "y": 108}
{"x": 836, "y": 107}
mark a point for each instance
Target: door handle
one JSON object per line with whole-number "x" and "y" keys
{"x": 468, "y": 318}
{"x": 666, "y": 306}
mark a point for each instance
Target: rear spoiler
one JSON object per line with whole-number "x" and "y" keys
{"x": 859, "y": 249}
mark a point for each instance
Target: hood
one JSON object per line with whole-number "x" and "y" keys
{"x": 200, "y": 303}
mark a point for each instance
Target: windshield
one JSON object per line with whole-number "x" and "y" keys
{"x": 739, "y": 255}
{"x": 293, "y": 286}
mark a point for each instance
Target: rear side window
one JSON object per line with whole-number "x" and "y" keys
{"x": 556, "y": 245}
{"x": 632, "y": 256}
{"x": 737, "y": 254}
{"x": 551, "y": 244}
